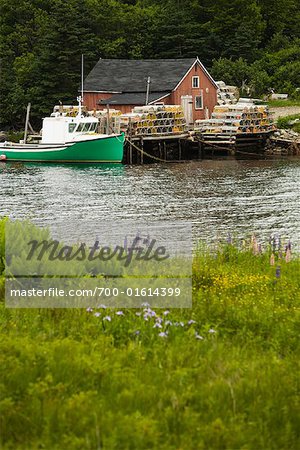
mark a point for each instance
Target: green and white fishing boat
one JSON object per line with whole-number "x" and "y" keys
{"x": 67, "y": 139}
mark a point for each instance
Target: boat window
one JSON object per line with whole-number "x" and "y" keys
{"x": 80, "y": 127}
{"x": 93, "y": 127}
{"x": 72, "y": 127}
{"x": 86, "y": 127}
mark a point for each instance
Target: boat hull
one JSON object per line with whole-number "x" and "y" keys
{"x": 104, "y": 149}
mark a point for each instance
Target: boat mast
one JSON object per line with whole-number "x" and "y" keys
{"x": 80, "y": 98}
{"x": 82, "y": 77}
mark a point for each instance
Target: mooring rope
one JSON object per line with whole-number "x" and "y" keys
{"x": 145, "y": 153}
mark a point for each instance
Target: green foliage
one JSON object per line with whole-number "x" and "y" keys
{"x": 41, "y": 43}
{"x": 292, "y": 121}
{"x": 70, "y": 379}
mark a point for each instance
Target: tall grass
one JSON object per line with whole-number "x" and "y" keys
{"x": 222, "y": 375}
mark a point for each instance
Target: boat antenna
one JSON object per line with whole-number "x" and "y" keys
{"x": 80, "y": 97}
{"x": 148, "y": 90}
{"x": 82, "y": 61}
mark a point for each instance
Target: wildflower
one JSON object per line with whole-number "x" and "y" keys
{"x": 278, "y": 272}
{"x": 149, "y": 313}
{"x": 288, "y": 255}
{"x": 97, "y": 314}
{"x": 190, "y": 322}
{"x": 102, "y": 306}
{"x": 157, "y": 325}
{"x": 279, "y": 242}
{"x": 108, "y": 318}
{"x": 165, "y": 313}
{"x": 163, "y": 334}
{"x": 145, "y": 305}
{"x": 120, "y": 313}
{"x": 272, "y": 260}
{"x": 212, "y": 331}
{"x": 137, "y": 332}
{"x": 89, "y": 309}
{"x": 138, "y": 314}
{"x": 181, "y": 324}
{"x": 168, "y": 322}
{"x": 197, "y": 336}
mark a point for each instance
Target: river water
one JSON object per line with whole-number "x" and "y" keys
{"x": 218, "y": 197}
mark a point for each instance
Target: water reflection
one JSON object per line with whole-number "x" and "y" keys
{"x": 216, "y": 196}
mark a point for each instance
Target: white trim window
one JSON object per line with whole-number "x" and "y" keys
{"x": 199, "y": 100}
{"x": 195, "y": 82}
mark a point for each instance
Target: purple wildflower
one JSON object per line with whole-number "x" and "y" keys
{"x": 138, "y": 314}
{"x": 137, "y": 332}
{"x": 163, "y": 334}
{"x": 89, "y": 309}
{"x": 190, "y": 322}
{"x": 97, "y": 314}
{"x": 108, "y": 318}
{"x": 102, "y": 306}
{"x": 157, "y": 325}
{"x": 212, "y": 331}
{"x": 278, "y": 272}
{"x": 145, "y": 305}
{"x": 168, "y": 322}
{"x": 165, "y": 313}
{"x": 120, "y": 313}
{"x": 197, "y": 336}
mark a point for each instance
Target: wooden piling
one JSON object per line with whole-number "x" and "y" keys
{"x": 142, "y": 152}
{"x": 130, "y": 141}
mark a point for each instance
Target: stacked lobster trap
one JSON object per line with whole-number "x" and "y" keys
{"x": 242, "y": 117}
{"x": 155, "y": 120}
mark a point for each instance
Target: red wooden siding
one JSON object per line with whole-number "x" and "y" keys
{"x": 91, "y": 99}
{"x": 206, "y": 87}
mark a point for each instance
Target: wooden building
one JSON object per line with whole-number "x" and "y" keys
{"x": 122, "y": 84}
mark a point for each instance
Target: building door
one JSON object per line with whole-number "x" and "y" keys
{"x": 187, "y": 106}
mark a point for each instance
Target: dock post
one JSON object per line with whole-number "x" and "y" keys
{"x": 27, "y": 122}
{"x": 165, "y": 151}
{"x": 142, "y": 152}
{"x": 200, "y": 156}
{"x": 130, "y": 141}
{"x": 179, "y": 149}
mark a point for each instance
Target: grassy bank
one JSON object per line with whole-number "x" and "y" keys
{"x": 222, "y": 375}
{"x": 283, "y": 103}
{"x": 291, "y": 122}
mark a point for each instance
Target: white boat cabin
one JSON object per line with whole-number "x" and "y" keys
{"x": 60, "y": 129}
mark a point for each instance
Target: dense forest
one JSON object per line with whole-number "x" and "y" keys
{"x": 254, "y": 43}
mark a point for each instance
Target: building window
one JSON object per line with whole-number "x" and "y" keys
{"x": 195, "y": 82}
{"x": 199, "y": 101}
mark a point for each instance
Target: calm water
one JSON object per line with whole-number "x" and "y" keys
{"x": 218, "y": 197}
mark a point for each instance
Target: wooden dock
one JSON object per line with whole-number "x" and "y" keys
{"x": 192, "y": 146}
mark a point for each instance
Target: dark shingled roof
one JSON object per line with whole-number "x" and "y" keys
{"x": 132, "y": 98}
{"x": 125, "y": 75}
